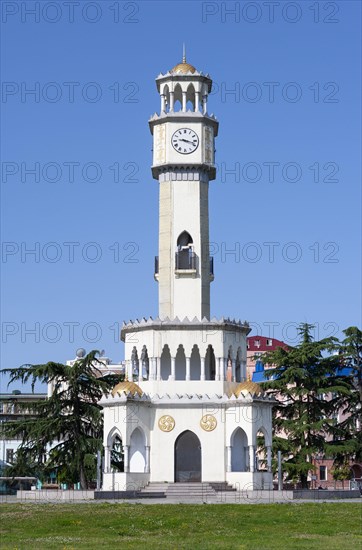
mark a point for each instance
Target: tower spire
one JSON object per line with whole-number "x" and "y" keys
{"x": 183, "y": 53}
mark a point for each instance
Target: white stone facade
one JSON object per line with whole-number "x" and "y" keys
{"x": 227, "y": 451}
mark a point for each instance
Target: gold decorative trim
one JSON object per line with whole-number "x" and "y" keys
{"x": 166, "y": 423}
{"x": 208, "y": 422}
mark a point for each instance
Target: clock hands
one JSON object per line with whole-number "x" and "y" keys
{"x": 187, "y": 140}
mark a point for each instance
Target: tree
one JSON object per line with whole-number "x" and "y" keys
{"x": 341, "y": 472}
{"x": 308, "y": 391}
{"x": 351, "y": 351}
{"x": 348, "y": 441}
{"x": 68, "y": 426}
{"x": 25, "y": 465}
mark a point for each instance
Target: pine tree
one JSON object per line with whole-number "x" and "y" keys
{"x": 309, "y": 392}
{"x": 68, "y": 426}
{"x": 348, "y": 434}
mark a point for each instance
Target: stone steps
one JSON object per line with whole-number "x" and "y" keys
{"x": 222, "y": 486}
{"x": 190, "y": 490}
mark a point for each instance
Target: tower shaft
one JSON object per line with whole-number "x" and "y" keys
{"x": 184, "y": 260}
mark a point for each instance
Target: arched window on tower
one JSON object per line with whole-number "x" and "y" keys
{"x": 185, "y": 256}
{"x": 184, "y": 240}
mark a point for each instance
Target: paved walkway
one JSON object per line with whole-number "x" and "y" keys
{"x": 10, "y": 499}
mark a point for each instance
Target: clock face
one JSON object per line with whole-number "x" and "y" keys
{"x": 185, "y": 141}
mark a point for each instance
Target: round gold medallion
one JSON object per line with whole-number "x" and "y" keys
{"x": 166, "y": 423}
{"x": 208, "y": 422}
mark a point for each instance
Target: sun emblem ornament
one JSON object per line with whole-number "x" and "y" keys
{"x": 166, "y": 423}
{"x": 208, "y": 422}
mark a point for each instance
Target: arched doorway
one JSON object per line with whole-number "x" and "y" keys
{"x": 187, "y": 457}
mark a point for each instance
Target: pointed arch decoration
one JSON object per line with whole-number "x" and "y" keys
{"x": 137, "y": 451}
{"x": 134, "y": 361}
{"x": 180, "y": 364}
{"x": 210, "y": 363}
{"x": 145, "y": 364}
{"x": 195, "y": 363}
{"x": 239, "y": 450}
{"x": 184, "y": 239}
{"x": 177, "y": 98}
{"x": 165, "y": 363}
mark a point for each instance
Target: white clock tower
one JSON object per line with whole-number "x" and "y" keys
{"x": 185, "y": 412}
{"x": 183, "y": 163}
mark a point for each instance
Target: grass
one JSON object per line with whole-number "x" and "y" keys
{"x": 328, "y": 526}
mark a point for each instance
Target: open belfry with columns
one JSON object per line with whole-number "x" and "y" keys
{"x": 185, "y": 412}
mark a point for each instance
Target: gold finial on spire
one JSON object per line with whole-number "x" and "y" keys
{"x": 184, "y": 53}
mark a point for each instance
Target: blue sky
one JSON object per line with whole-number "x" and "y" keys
{"x": 295, "y": 107}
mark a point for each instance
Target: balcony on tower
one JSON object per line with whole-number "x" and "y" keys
{"x": 185, "y": 261}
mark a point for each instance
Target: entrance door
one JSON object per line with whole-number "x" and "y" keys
{"x": 187, "y": 457}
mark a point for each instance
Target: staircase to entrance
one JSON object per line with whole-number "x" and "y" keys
{"x": 188, "y": 490}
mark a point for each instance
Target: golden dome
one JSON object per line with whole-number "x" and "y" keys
{"x": 183, "y": 68}
{"x": 248, "y": 387}
{"x": 127, "y": 387}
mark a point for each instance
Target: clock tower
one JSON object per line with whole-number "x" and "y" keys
{"x": 185, "y": 412}
{"x": 184, "y": 163}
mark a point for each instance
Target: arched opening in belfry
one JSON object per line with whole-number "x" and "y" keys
{"x": 137, "y": 451}
{"x": 166, "y": 93}
{"x": 187, "y": 457}
{"x": 145, "y": 364}
{"x": 239, "y": 451}
{"x": 180, "y": 364}
{"x": 190, "y": 98}
{"x": 195, "y": 364}
{"x": 210, "y": 363}
{"x": 177, "y": 98}
{"x": 165, "y": 363}
{"x": 135, "y": 361}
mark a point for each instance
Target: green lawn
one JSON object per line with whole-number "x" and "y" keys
{"x": 327, "y": 526}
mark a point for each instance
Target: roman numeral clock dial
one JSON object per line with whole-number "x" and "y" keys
{"x": 185, "y": 141}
